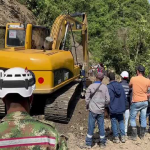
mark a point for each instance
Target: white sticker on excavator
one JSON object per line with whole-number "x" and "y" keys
{"x": 16, "y": 26}
{"x": 66, "y": 76}
{"x": 12, "y": 34}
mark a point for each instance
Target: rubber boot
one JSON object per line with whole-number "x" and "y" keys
{"x": 133, "y": 134}
{"x": 116, "y": 140}
{"x": 102, "y": 145}
{"x": 142, "y": 132}
{"x": 123, "y": 139}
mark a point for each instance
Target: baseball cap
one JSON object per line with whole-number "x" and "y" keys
{"x": 124, "y": 74}
{"x": 140, "y": 68}
{"x": 100, "y": 75}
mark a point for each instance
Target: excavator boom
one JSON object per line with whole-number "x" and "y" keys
{"x": 68, "y": 22}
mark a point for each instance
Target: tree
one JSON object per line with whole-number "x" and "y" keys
{"x": 118, "y": 29}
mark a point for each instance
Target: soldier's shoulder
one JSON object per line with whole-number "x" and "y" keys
{"x": 30, "y": 126}
{"x": 45, "y": 125}
{"x": 42, "y": 120}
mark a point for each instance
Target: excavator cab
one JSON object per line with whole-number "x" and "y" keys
{"x": 18, "y": 35}
{"x": 15, "y": 35}
{"x": 26, "y": 36}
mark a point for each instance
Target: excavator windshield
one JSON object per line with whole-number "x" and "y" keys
{"x": 16, "y": 38}
{"x": 15, "y": 35}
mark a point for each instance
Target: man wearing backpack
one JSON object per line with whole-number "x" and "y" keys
{"x": 117, "y": 107}
{"x": 97, "y": 97}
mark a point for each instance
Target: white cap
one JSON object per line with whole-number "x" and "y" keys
{"x": 125, "y": 74}
{"x": 17, "y": 80}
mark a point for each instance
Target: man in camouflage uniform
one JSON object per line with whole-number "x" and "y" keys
{"x": 18, "y": 130}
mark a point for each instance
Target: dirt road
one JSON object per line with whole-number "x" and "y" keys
{"x": 76, "y": 131}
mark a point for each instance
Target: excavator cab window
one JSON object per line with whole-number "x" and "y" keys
{"x": 39, "y": 33}
{"x": 16, "y": 37}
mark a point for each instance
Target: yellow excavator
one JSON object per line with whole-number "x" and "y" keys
{"x": 47, "y": 55}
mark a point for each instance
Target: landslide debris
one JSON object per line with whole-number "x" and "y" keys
{"x": 12, "y": 11}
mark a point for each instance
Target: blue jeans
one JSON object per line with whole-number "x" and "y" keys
{"x": 91, "y": 125}
{"x": 126, "y": 119}
{"x": 115, "y": 120}
{"x": 135, "y": 108}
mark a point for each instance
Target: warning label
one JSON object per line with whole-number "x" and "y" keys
{"x": 12, "y": 34}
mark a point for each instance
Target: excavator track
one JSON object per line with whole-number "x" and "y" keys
{"x": 57, "y": 106}
{"x": 2, "y": 108}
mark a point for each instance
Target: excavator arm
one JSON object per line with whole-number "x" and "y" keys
{"x": 65, "y": 23}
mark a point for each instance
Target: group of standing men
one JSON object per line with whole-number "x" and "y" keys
{"x": 124, "y": 101}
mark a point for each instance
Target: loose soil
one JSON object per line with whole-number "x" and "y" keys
{"x": 12, "y": 11}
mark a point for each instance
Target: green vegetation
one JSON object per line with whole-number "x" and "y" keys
{"x": 119, "y": 30}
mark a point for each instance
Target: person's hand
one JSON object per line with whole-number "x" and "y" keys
{"x": 87, "y": 106}
{"x": 148, "y": 94}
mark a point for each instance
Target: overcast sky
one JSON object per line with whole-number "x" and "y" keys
{"x": 149, "y": 1}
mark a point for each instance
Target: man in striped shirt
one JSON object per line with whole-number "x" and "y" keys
{"x": 125, "y": 84}
{"x": 18, "y": 130}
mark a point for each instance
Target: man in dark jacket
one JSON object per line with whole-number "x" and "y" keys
{"x": 125, "y": 85}
{"x": 117, "y": 107}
